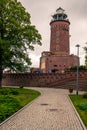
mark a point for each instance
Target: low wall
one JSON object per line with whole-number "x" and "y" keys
{"x": 40, "y": 80}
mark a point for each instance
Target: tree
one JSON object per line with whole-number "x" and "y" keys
{"x": 17, "y": 36}
{"x": 81, "y": 68}
{"x": 85, "y": 48}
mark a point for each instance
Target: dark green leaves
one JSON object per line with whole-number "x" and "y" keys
{"x": 17, "y": 35}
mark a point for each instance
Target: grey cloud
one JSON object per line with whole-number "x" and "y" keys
{"x": 78, "y": 8}
{"x": 41, "y": 11}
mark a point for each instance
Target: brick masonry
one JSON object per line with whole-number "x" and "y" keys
{"x": 45, "y": 80}
{"x": 58, "y": 58}
{"x": 51, "y": 111}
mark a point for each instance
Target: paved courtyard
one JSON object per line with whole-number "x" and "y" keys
{"x": 51, "y": 111}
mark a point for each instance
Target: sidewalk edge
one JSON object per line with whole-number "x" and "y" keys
{"x": 78, "y": 116}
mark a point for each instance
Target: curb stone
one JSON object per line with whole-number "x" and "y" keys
{"x": 80, "y": 120}
{"x": 18, "y": 111}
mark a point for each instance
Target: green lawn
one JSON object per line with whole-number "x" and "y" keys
{"x": 80, "y": 103}
{"x": 13, "y": 99}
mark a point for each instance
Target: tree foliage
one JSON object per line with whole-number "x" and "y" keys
{"x": 85, "y": 48}
{"x": 17, "y": 36}
{"x": 81, "y": 68}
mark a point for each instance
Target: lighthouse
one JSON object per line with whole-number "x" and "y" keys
{"x": 59, "y": 33}
{"x": 58, "y": 58}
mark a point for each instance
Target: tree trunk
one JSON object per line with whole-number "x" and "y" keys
{"x": 1, "y": 75}
{"x": 1, "y": 50}
{"x": 1, "y": 70}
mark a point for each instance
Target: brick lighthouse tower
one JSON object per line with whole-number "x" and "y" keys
{"x": 58, "y": 59}
{"x": 59, "y": 42}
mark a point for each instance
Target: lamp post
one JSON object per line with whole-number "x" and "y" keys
{"x": 77, "y": 68}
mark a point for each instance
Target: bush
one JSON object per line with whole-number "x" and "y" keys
{"x": 7, "y": 91}
{"x": 82, "y": 67}
{"x": 12, "y": 99}
{"x": 8, "y": 105}
{"x": 83, "y": 106}
{"x": 4, "y": 91}
{"x": 14, "y": 92}
{"x": 85, "y": 95}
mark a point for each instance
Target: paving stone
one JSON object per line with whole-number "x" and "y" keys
{"x": 51, "y": 111}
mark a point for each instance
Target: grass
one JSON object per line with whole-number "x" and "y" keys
{"x": 80, "y": 103}
{"x": 13, "y": 99}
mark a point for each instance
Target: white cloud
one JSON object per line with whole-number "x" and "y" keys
{"x": 35, "y": 59}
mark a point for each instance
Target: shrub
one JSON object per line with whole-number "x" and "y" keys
{"x": 10, "y": 102}
{"x": 14, "y": 92}
{"x": 83, "y": 106}
{"x": 4, "y": 91}
{"x": 7, "y": 91}
{"x": 85, "y": 95}
{"x": 8, "y": 105}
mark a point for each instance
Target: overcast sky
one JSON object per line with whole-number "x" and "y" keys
{"x": 41, "y": 11}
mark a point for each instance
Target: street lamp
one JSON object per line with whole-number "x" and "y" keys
{"x": 77, "y": 68}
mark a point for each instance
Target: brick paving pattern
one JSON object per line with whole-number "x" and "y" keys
{"x": 51, "y": 111}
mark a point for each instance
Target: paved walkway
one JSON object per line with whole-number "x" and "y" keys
{"x": 51, "y": 111}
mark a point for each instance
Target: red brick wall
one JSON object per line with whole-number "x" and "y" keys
{"x": 41, "y": 80}
{"x": 60, "y": 62}
{"x": 59, "y": 40}
{"x": 58, "y": 57}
